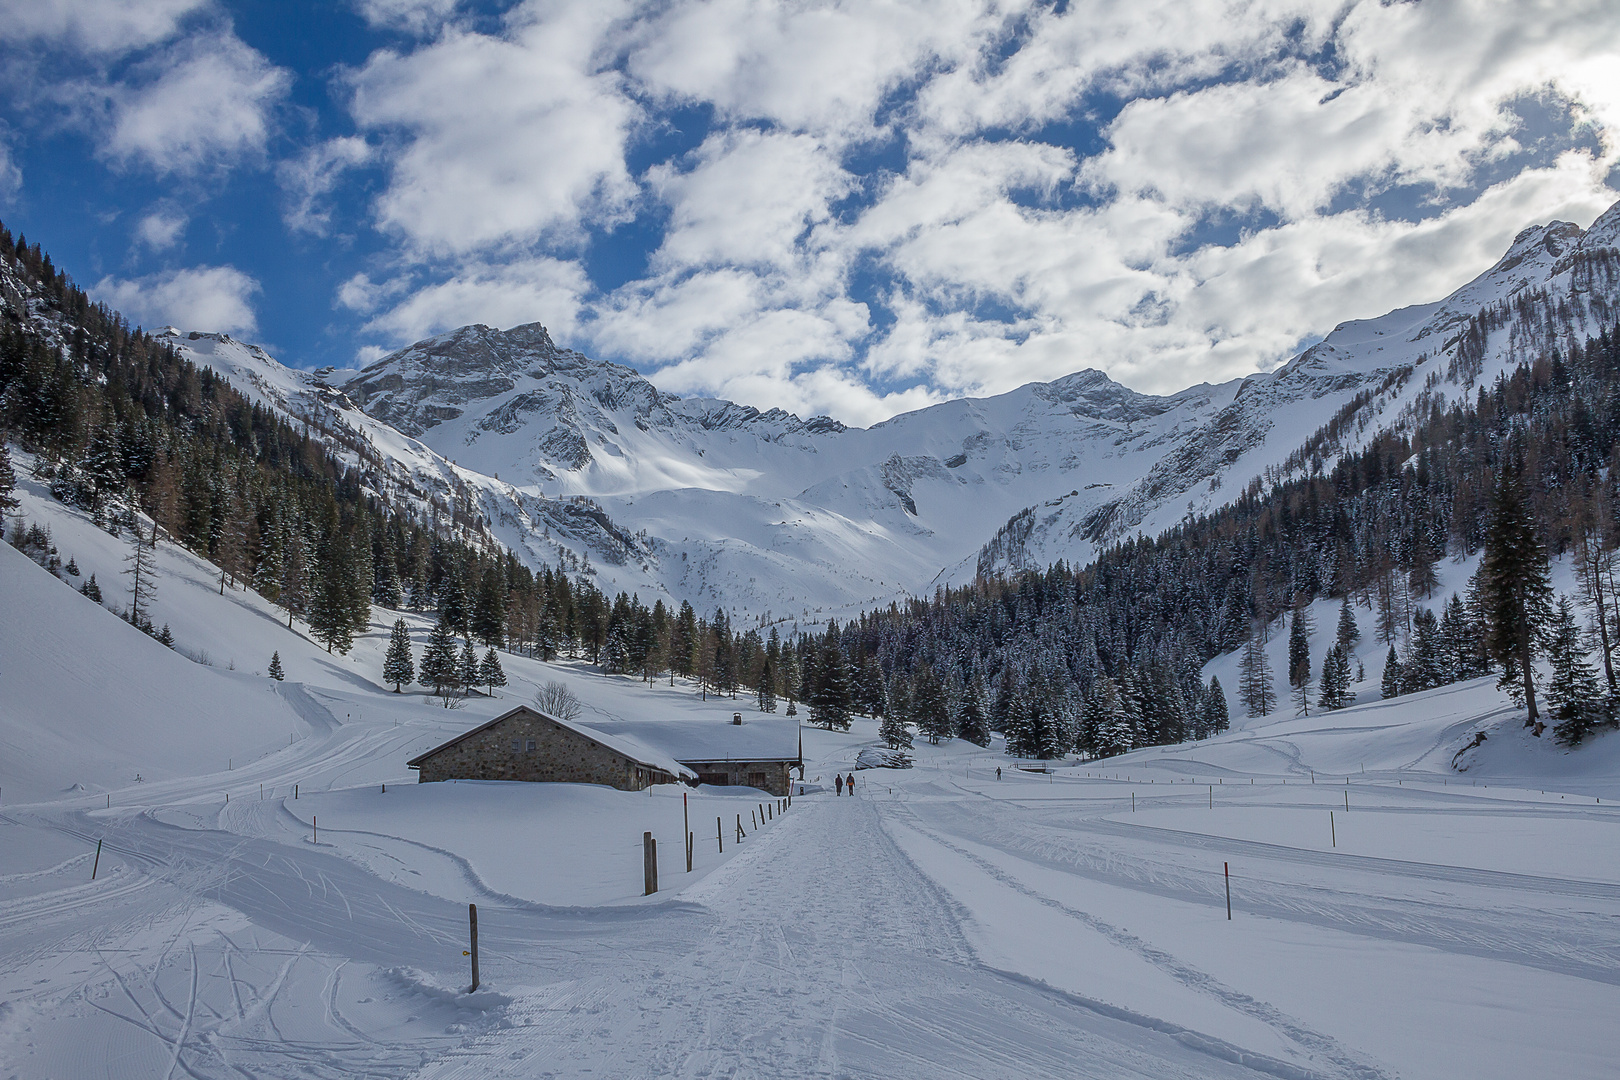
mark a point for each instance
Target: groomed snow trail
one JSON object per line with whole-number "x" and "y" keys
{"x": 821, "y": 951}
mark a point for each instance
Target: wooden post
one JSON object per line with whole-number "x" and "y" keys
{"x": 314, "y": 823}
{"x": 1333, "y": 830}
{"x": 1212, "y": 796}
{"x": 739, "y": 829}
{"x": 1347, "y": 800}
{"x": 472, "y": 933}
{"x": 649, "y": 863}
{"x": 1133, "y": 802}
{"x": 719, "y": 836}
{"x": 1226, "y": 869}
{"x": 691, "y": 842}
{"x": 686, "y": 827}
{"x": 97, "y": 865}
{"x": 295, "y": 792}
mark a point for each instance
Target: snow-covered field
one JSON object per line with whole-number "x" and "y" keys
{"x": 944, "y": 922}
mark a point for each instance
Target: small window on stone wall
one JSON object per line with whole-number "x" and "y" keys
{"x": 530, "y": 746}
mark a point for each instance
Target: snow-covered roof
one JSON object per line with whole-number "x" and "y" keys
{"x": 620, "y": 743}
{"x": 758, "y": 738}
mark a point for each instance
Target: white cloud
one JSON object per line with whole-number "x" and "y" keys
{"x": 211, "y": 298}
{"x": 204, "y": 102}
{"x": 111, "y": 27}
{"x": 501, "y": 138}
{"x": 521, "y": 291}
{"x": 10, "y": 175}
{"x": 414, "y": 16}
{"x": 307, "y": 179}
{"x": 161, "y": 228}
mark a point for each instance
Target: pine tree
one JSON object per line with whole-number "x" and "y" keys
{"x": 829, "y": 703}
{"x": 1348, "y": 633}
{"x": 1216, "y": 717}
{"x": 1394, "y": 676}
{"x": 490, "y": 673}
{"x": 1574, "y": 697}
{"x": 894, "y": 731}
{"x": 275, "y": 667}
{"x": 439, "y": 659}
{"x": 973, "y": 725}
{"x": 767, "y": 688}
{"x": 8, "y": 478}
{"x": 1299, "y": 661}
{"x": 329, "y": 616}
{"x": 1335, "y": 679}
{"x": 489, "y": 609}
{"x": 1517, "y": 587}
{"x": 165, "y": 636}
{"x": 929, "y": 708}
{"x": 72, "y": 567}
{"x": 1426, "y": 665}
{"x": 398, "y": 667}
{"x": 91, "y": 589}
{"x": 467, "y": 668}
{"x": 1255, "y": 686}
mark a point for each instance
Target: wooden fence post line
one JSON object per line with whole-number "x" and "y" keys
{"x": 1226, "y": 869}
{"x": 472, "y": 933}
{"x": 97, "y": 865}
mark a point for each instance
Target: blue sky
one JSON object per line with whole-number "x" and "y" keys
{"x": 844, "y": 208}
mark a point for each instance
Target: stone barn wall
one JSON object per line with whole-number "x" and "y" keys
{"x": 772, "y": 776}
{"x": 529, "y": 746}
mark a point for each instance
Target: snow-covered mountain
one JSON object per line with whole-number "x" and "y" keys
{"x": 784, "y": 518}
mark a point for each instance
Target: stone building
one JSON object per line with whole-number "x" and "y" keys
{"x": 526, "y": 744}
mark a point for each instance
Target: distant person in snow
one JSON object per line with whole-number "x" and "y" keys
{"x": 840, "y": 780}
{"x": 998, "y": 772}
{"x": 850, "y": 783}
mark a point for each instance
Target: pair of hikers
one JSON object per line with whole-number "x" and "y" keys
{"x": 840, "y": 781}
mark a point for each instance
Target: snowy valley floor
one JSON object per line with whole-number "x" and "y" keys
{"x": 942, "y": 923}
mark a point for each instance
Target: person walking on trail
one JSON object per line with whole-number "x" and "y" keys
{"x": 998, "y": 772}
{"x": 850, "y": 783}
{"x": 840, "y": 783}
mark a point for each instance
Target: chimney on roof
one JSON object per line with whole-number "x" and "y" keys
{"x": 736, "y": 718}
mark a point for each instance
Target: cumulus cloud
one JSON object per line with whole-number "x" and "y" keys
{"x": 502, "y": 137}
{"x": 412, "y": 16}
{"x": 10, "y": 175}
{"x": 161, "y": 228}
{"x": 203, "y": 102}
{"x": 307, "y": 180}
{"x": 111, "y": 27}
{"x": 496, "y": 294}
{"x": 210, "y": 298}
{"x": 890, "y": 203}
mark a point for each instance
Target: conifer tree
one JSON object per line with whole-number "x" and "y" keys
{"x": 398, "y": 666}
{"x": 929, "y": 708}
{"x": 467, "y": 668}
{"x": 1255, "y": 686}
{"x": 1516, "y": 587}
{"x": 490, "y": 672}
{"x": 72, "y": 567}
{"x": 142, "y": 571}
{"x": 439, "y": 659}
{"x": 329, "y": 615}
{"x": 973, "y": 725}
{"x": 489, "y": 609}
{"x": 829, "y": 703}
{"x": 1216, "y": 717}
{"x": 275, "y": 667}
{"x": 1348, "y": 633}
{"x": 91, "y": 589}
{"x": 1335, "y": 679}
{"x": 894, "y": 731}
{"x": 767, "y": 688}
{"x": 1299, "y": 660}
{"x": 1574, "y": 697}
{"x": 8, "y": 478}
{"x": 1394, "y": 676}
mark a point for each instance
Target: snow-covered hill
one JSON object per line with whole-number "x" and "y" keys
{"x": 781, "y": 518}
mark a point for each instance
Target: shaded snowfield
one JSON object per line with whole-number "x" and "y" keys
{"x": 942, "y": 923}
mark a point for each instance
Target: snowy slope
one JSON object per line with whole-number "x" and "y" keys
{"x": 790, "y": 520}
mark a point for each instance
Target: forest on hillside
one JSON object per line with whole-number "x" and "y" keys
{"x": 1097, "y": 660}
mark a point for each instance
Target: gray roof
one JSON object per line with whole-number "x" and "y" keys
{"x": 760, "y": 737}
{"x": 626, "y": 743}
